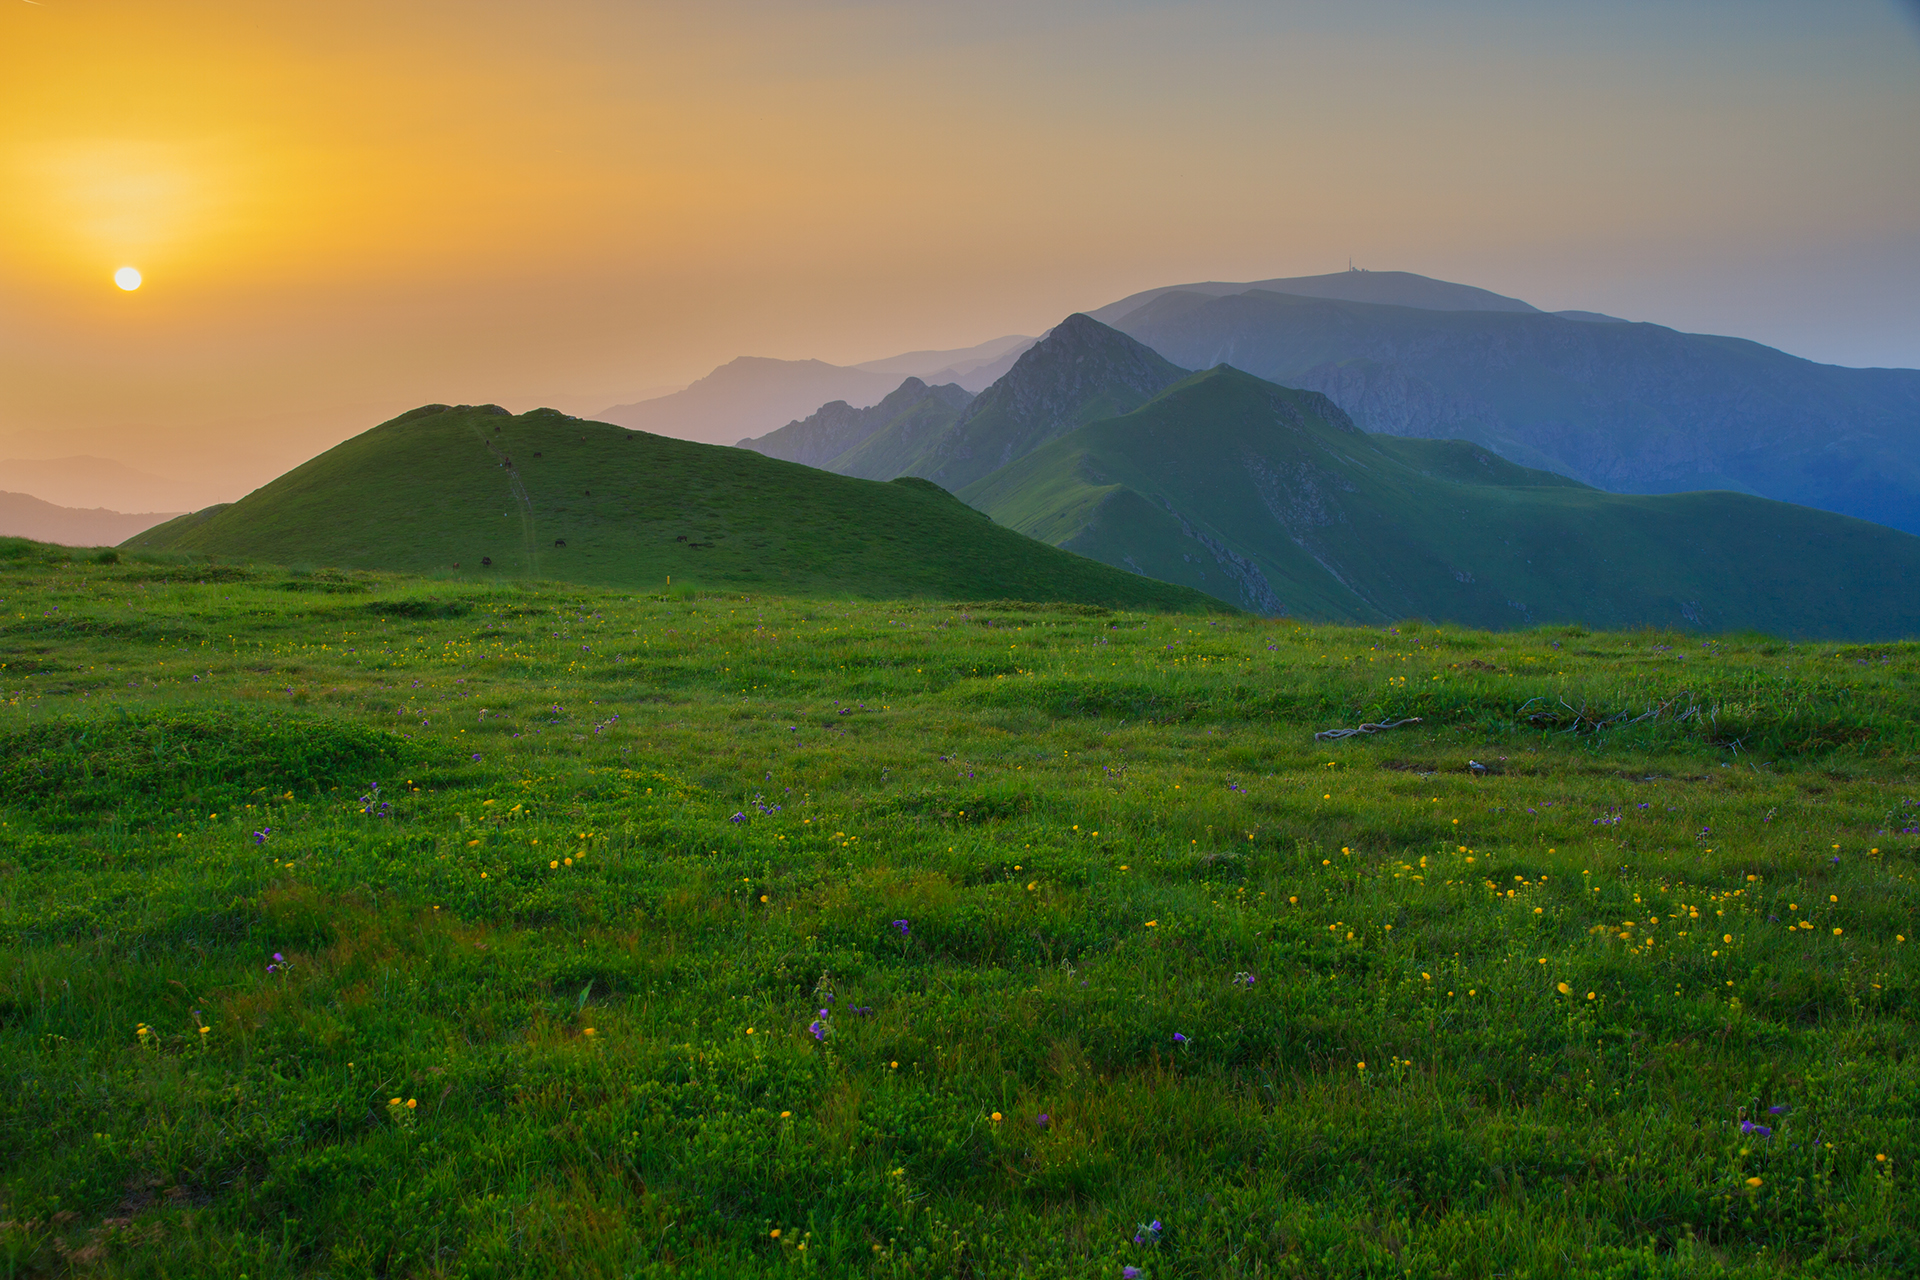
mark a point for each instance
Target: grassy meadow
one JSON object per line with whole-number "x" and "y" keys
{"x": 363, "y": 925}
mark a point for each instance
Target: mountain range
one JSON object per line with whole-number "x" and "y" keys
{"x": 1094, "y": 469}
{"x": 1626, "y": 407}
{"x": 1633, "y": 408}
{"x": 755, "y": 393}
{"x": 24, "y": 516}
{"x": 1274, "y": 499}
{"x": 1403, "y": 447}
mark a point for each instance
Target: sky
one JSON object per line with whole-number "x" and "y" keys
{"x": 343, "y": 210}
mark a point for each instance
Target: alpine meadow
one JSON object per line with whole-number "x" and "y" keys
{"x": 1102, "y": 640}
{"x": 364, "y": 924}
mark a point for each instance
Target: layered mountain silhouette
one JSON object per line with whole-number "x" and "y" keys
{"x": 477, "y": 493}
{"x": 911, "y": 412}
{"x": 1276, "y": 500}
{"x": 1436, "y": 451}
{"x": 1633, "y": 408}
{"x": 24, "y": 516}
{"x": 1273, "y": 499}
{"x": 1080, "y": 371}
{"x": 755, "y": 394}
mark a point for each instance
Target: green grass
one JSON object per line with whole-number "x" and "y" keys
{"x": 475, "y": 494}
{"x": 546, "y": 994}
{"x": 1265, "y": 497}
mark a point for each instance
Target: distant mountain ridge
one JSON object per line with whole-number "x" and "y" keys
{"x": 836, "y": 428}
{"x": 1625, "y": 407}
{"x": 1384, "y": 288}
{"x": 25, "y": 516}
{"x": 754, "y": 394}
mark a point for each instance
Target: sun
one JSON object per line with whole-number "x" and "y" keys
{"x": 127, "y": 278}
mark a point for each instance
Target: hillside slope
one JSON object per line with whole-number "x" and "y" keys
{"x": 1271, "y": 498}
{"x": 1634, "y": 408}
{"x": 1080, "y": 372}
{"x": 452, "y": 489}
{"x": 913, "y": 411}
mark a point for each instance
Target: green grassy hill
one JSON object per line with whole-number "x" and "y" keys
{"x": 1272, "y": 499}
{"x": 477, "y": 493}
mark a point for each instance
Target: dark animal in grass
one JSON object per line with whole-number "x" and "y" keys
{"x": 559, "y": 542}
{"x": 486, "y": 560}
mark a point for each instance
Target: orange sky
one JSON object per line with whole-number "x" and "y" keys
{"x": 349, "y": 208}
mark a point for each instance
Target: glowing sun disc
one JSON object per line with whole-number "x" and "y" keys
{"x": 127, "y": 278}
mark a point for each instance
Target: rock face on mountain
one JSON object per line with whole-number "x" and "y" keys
{"x": 1634, "y": 408}
{"x": 835, "y": 428}
{"x": 1080, "y": 372}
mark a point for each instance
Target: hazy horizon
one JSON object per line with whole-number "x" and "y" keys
{"x": 345, "y": 210}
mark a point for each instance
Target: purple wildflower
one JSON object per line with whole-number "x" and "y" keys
{"x": 818, "y": 1029}
{"x": 1758, "y": 1130}
{"x": 901, "y": 925}
{"x": 1178, "y": 1038}
{"x": 1778, "y": 1110}
{"x": 1044, "y": 1120}
{"x": 1133, "y": 1273}
{"x": 260, "y": 836}
{"x": 476, "y": 757}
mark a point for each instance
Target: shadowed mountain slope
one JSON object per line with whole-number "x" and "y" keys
{"x": 1080, "y": 372}
{"x": 915, "y": 411}
{"x": 475, "y": 492}
{"x": 748, "y": 394}
{"x": 1634, "y": 408}
{"x": 1271, "y": 498}
{"x": 974, "y": 368}
{"x": 754, "y": 394}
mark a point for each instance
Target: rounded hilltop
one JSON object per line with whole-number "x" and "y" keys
{"x": 476, "y": 491}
